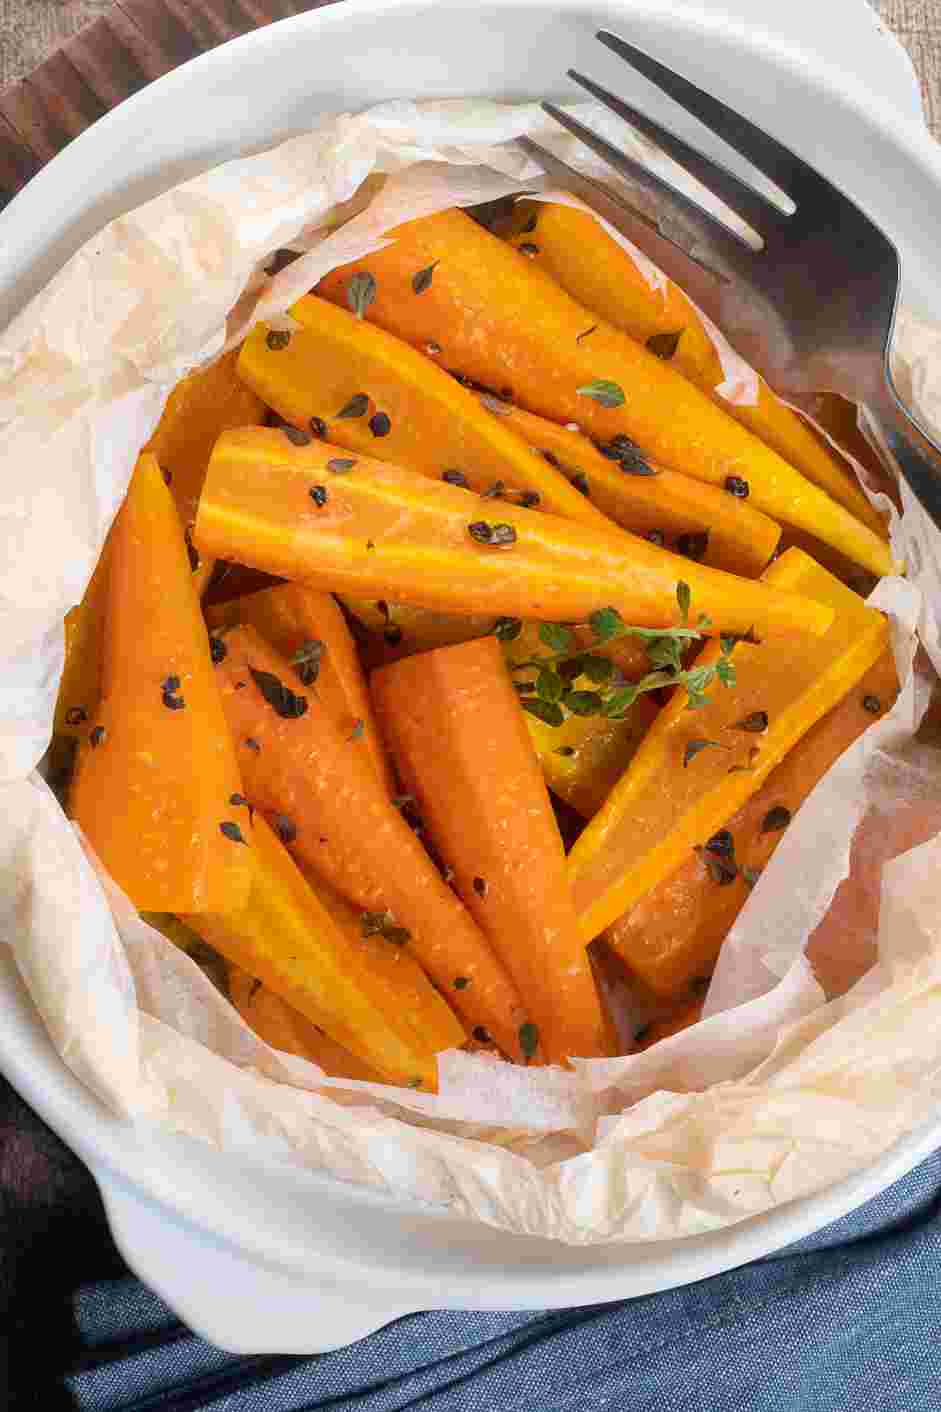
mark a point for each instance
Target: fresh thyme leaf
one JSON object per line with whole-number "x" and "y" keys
{"x": 606, "y": 623}
{"x": 683, "y": 599}
{"x": 725, "y": 671}
{"x": 549, "y": 685}
{"x": 620, "y": 702}
{"x": 546, "y": 711}
{"x": 231, "y": 831}
{"x": 360, "y": 292}
{"x": 597, "y": 669}
{"x": 556, "y": 636}
{"x": 609, "y": 394}
{"x": 583, "y": 703}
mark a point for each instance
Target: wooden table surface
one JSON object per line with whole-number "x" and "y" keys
{"x": 86, "y": 70}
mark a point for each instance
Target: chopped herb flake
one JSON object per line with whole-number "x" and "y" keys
{"x": 546, "y": 711}
{"x": 461, "y": 982}
{"x": 357, "y": 406}
{"x": 422, "y": 280}
{"x": 231, "y": 831}
{"x": 360, "y": 292}
{"x": 664, "y": 345}
{"x": 279, "y": 697}
{"x": 776, "y": 819}
{"x": 694, "y": 747}
{"x": 529, "y": 1039}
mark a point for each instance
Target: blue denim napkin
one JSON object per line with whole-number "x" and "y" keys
{"x": 844, "y": 1321}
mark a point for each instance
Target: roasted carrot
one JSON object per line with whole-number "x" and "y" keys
{"x": 80, "y": 688}
{"x": 500, "y": 321}
{"x": 370, "y": 529}
{"x": 400, "y": 630}
{"x": 687, "y": 1014}
{"x": 284, "y": 1028}
{"x": 319, "y": 786}
{"x": 302, "y": 624}
{"x": 157, "y": 783}
{"x": 665, "y": 507}
{"x": 459, "y": 740}
{"x": 578, "y": 253}
{"x": 367, "y": 391}
{"x": 672, "y": 935}
{"x": 285, "y": 937}
{"x": 202, "y": 405}
{"x": 694, "y": 769}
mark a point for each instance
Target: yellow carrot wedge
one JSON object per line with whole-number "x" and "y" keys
{"x": 673, "y": 934}
{"x": 363, "y": 389}
{"x": 459, "y": 740}
{"x": 283, "y": 936}
{"x": 284, "y": 1028}
{"x": 583, "y": 758}
{"x": 80, "y": 688}
{"x": 400, "y": 630}
{"x": 579, "y": 254}
{"x": 704, "y": 521}
{"x": 302, "y": 623}
{"x": 500, "y": 321}
{"x": 157, "y": 785}
{"x": 338, "y": 820}
{"x": 373, "y": 530}
{"x": 201, "y": 406}
{"x": 695, "y": 768}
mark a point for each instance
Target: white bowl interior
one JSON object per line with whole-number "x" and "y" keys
{"x": 266, "y": 86}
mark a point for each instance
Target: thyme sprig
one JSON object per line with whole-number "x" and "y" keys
{"x": 552, "y": 693}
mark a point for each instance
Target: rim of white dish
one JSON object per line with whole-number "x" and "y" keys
{"x": 104, "y": 1152}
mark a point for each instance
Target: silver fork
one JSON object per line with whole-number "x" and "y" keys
{"x": 814, "y": 308}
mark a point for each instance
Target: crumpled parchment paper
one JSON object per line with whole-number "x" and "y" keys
{"x": 776, "y": 1094}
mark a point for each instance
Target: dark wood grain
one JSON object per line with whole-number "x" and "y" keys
{"x": 108, "y": 61}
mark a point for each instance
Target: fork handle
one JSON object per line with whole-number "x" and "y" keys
{"x": 917, "y": 457}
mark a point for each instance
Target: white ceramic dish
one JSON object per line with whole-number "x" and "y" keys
{"x": 267, "y": 1258}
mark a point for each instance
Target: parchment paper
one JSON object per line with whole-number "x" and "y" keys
{"x": 778, "y": 1092}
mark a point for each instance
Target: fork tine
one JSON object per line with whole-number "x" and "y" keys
{"x": 738, "y": 194}
{"x": 768, "y": 155}
{"x": 693, "y": 215}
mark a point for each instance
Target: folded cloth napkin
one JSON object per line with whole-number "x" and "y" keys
{"x": 845, "y": 1319}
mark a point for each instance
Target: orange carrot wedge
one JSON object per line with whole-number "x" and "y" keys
{"x": 462, "y": 749}
{"x": 157, "y": 785}
{"x": 582, "y": 257}
{"x": 703, "y": 521}
{"x": 333, "y": 813}
{"x": 498, "y": 320}
{"x": 200, "y": 407}
{"x": 370, "y": 529}
{"x": 284, "y": 1028}
{"x": 285, "y": 937}
{"x": 304, "y": 624}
